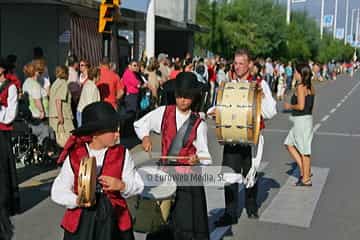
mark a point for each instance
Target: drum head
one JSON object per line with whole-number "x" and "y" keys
{"x": 87, "y": 180}
{"x": 158, "y": 184}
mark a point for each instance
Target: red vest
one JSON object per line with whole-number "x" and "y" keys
{"x": 169, "y": 130}
{"x": 3, "y": 102}
{"x": 112, "y": 166}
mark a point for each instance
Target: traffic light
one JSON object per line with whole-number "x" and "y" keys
{"x": 107, "y": 15}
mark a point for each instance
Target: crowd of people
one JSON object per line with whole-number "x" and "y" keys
{"x": 85, "y": 107}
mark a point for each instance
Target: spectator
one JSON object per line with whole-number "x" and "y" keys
{"x": 109, "y": 84}
{"x": 153, "y": 78}
{"x": 84, "y": 68}
{"x": 89, "y": 94}
{"x": 60, "y": 102}
{"x": 298, "y": 141}
{"x": 32, "y": 88}
{"x": 132, "y": 86}
{"x": 163, "y": 67}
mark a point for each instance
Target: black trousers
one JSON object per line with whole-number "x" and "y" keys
{"x": 239, "y": 158}
{"x": 99, "y": 223}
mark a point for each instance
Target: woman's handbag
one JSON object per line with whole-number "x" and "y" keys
{"x": 61, "y": 135}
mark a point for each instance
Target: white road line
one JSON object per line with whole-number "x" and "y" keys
{"x": 333, "y": 110}
{"x": 317, "y": 126}
{"x": 295, "y": 206}
{"x": 275, "y": 130}
{"x": 325, "y": 118}
{"x": 338, "y": 105}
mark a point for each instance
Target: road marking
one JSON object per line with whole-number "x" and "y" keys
{"x": 325, "y": 118}
{"x": 216, "y": 202}
{"x": 333, "y": 110}
{"x": 275, "y": 130}
{"x": 338, "y": 105}
{"x": 317, "y": 126}
{"x": 295, "y": 206}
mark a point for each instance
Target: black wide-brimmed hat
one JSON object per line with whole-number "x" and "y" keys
{"x": 3, "y": 64}
{"x": 186, "y": 84}
{"x": 98, "y": 117}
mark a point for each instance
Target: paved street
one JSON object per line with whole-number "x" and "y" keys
{"x": 328, "y": 210}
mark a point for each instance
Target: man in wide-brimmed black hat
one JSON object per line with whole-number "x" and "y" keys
{"x": 183, "y": 133}
{"x": 116, "y": 178}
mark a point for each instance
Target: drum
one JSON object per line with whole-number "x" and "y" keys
{"x": 87, "y": 181}
{"x": 238, "y": 113}
{"x": 151, "y": 209}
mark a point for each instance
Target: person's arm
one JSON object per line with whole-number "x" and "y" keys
{"x": 62, "y": 188}
{"x": 201, "y": 144}
{"x": 268, "y": 103}
{"x": 39, "y": 106}
{"x": 150, "y": 122}
{"x": 133, "y": 183}
{"x": 8, "y": 113}
{"x": 59, "y": 111}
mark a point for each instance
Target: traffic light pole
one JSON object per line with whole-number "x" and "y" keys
{"x": 106, "y": 44}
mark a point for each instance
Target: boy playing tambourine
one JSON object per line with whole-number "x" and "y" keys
{"x": 183, "y": 133}
{"x": 117, "y": 179}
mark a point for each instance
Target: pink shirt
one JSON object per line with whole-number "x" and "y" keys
{"x": 131, "y": 82}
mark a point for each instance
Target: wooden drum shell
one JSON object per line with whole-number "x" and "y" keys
{"x": 87, "y": 181}
{"x": 238, "y": 113}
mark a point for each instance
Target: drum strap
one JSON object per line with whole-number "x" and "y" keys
{"x": 182, "y": 135}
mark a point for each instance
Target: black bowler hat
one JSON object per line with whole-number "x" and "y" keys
{"x": 186, "y": 85}
{"x": 98, "y": 117}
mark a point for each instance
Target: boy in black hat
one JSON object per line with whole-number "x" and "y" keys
{"x": 9, "y": 192}
{"x": 183, "y": 133}
{"x": 117, "y": 178}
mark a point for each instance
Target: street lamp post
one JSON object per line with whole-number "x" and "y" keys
{"x": 357, "y": 28}
{"x": 322, "y": 19}
{"x": 335, "y": 18}
{"x": 150, "y": 30}
{"x": 346, "y": 20}
{"x": 288, "y": 12}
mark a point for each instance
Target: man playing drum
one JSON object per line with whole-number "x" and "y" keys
{"x": 183, "y": 133}
{"x": 239, "y": 157}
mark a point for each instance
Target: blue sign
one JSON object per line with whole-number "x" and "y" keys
{"x": 340, "y": 33}
{"x": 328, "y": 20}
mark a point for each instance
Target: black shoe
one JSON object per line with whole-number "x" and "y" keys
{"x": 252, "y": 213}
{"x": 225, "y": 220}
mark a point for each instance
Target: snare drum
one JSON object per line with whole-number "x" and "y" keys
{"x": 87, "y": 181}
{"x": 151, "y": 209}
{"x": 238, "y": 113}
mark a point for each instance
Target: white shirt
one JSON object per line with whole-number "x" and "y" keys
{"x": 73, "y": 75}
{"x": 8, "y": 114}
{"x": 152, "y": 122}
{"x": 62, "y": 189}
